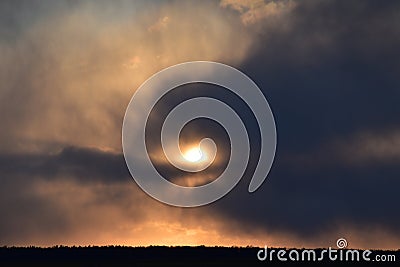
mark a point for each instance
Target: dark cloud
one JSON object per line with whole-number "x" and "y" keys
{"x": 331, "y": 71}
{"x": 79, "y": 195}
{"x": 330, "y": 74}
{"x": 81, "y": 164}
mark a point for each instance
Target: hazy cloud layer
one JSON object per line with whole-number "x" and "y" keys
{"x": 254, "y": 11}
{"x": 68, "y": 71}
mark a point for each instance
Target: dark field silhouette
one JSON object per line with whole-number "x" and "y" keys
{"x": 165, "y": 256}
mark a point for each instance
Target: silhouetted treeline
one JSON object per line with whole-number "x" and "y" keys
{"x": 163, "y": 256}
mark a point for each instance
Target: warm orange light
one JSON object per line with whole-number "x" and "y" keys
{"x": 193, "y": 155}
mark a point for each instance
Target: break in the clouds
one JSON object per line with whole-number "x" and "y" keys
{"x": 329, "y": 70}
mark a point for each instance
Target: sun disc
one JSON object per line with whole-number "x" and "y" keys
{"x": 193, "y": 155}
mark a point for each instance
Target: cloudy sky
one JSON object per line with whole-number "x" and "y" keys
{"x": 329, "y": 69}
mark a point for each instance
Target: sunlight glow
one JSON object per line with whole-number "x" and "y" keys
{"x": 193, "y": 155}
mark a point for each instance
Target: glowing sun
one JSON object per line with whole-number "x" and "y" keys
{"x": 193, "y": 155}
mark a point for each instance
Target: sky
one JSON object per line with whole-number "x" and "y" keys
{"x": 330, "y": 71}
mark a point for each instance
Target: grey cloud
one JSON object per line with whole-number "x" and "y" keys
{"x": 82, "y": 164}
{"x": 329, "y": 73}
